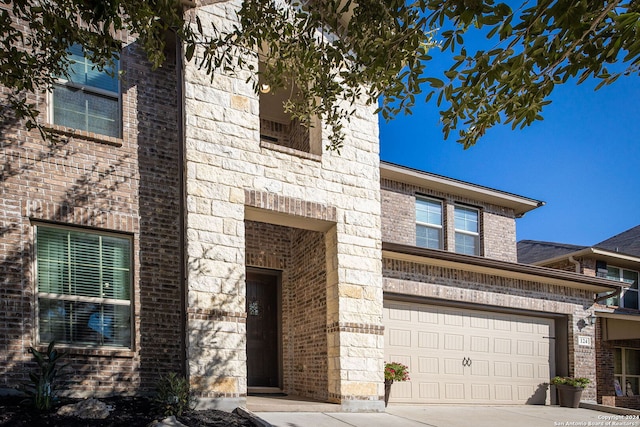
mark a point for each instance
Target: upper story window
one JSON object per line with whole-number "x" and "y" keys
{"x": 83, "y": 285}
{"x": 429, "y": 223}
{"x": 629, "y": 296}
{"x": 467, "y": 230}
{"x": 90, "y": 99}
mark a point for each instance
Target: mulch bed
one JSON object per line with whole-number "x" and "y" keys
{"x": 128, "y": 412}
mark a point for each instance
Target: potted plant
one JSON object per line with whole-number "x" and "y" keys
{"x": 393, "y": 371}
{"x": 570, "y": 390}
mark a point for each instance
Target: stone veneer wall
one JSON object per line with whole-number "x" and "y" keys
{"x": 127, "y": 185}
{"x": 229, "y": 170}
{"x": 497, "y": 224}
{"x": 487, "y": 291}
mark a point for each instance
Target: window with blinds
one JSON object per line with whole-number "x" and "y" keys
{"x": 89, "y": 99}
{"x": 83, "y": 282}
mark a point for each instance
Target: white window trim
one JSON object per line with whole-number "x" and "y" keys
{"x": 439, "y": 227}
{"x": 475, "y": 234}
{"x": 96, "y": 300}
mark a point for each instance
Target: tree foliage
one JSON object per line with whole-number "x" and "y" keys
{"x": 336, "y": 51}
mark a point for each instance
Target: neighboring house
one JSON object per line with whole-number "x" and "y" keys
{"x": 231, "y": 247}
{"x": 617, "y": 314}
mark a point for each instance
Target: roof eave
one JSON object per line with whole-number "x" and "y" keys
{"x": 496, "y": 267}
{"x": 519, "y": 204}
{"x": 589, "y": 251}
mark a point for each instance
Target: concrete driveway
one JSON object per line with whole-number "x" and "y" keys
{"x": 453, "y": 416}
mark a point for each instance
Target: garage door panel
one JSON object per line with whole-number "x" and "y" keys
{"x": 429, "y": 391}
{"x": 400, "y": 338}
{"x": 425, "y": 316}
{"x": 502, "y": 346}
{"x": 428, "y": 365}
{"x": 428, "y": 340}
{"x": 480, "y": 344}
{"x": 454, "y": 391}
{"x": 480, "y": 368}
{"x": 525, "y": 348}
{"x": 480, "y": 392}
{"x": 479, "y": 322}
{"x": 453, "y": 367}
{"x": 399, "y": 312}
{"x": 454, "y": 342}
{"x": 544, "y": 373}
{"x": 510, "y": 355}
{"x": 502, "y": 369}
{"x": 525, "y": 370}
{"x": 503, "y": 392}
{"x": 453, "y": 318}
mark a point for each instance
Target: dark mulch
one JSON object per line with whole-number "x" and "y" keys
{"x": 128, "y": 411}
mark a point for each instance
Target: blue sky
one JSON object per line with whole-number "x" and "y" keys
{"x": 582, "y": 160}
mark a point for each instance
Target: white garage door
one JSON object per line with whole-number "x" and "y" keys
{"x": 457, "y": 355}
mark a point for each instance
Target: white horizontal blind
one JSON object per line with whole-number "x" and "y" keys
{"x": 84, "y": 287}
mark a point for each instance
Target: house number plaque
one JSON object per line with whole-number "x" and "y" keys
{"x": 584, "y": 341}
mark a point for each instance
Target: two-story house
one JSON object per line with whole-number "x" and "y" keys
{"x": 184, "y": 224}
{"x": 617, "y": 314}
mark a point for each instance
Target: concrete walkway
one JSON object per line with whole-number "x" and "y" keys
{"x": 453, "y": 416}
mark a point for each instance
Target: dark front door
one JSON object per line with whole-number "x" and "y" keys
{"x": 262, "y": 330}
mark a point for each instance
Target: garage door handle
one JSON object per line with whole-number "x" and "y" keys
{"x": 466, "y": 361}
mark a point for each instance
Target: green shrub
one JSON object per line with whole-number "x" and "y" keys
{"x": 580, "y": 382}
{"x": 173, "y": 396}
{"x": 42, "y": 388}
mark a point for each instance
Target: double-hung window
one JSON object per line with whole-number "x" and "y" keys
{"x": 629, "y": 297}
{"x": 467, "y": 230}
{"x": 626, "y": 369}
{"x": 429, "y": 223}
{"x": 89, "y": 98}
{"x": 83, "y": 284}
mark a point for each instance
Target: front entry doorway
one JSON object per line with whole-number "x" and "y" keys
{"x": 263, "y": 344}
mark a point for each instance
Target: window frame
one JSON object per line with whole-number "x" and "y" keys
{"x": 620, "y": 298}
{"x": 474, "y": 234}
{"x": 623, "y": 375}
{"x": 116, "y": 96}
{"x": 440, "y": 227}
{"x": 128, "y": 346}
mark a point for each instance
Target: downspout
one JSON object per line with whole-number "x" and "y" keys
{"x": 573, "y": 261}
{"x": 182, "y": 203}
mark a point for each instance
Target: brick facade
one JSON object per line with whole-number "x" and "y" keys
{"x": 497, "y": 224}
{"x": 126, "y": 185}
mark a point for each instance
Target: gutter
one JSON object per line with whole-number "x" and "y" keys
{"x": 497, "y": 267}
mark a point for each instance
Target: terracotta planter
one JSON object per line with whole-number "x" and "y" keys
{"x": 569, "y": 396}
{"x": 387, "y": 391}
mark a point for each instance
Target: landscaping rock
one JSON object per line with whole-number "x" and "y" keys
{"x": 87, "y": 409}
